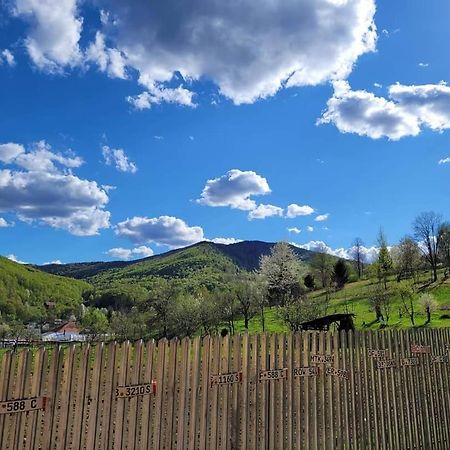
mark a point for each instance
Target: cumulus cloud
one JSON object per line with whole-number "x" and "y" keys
{"x": 363, "y": 113}
{"x": 15, "y": 259}
{"x": 46, "y": 190}
{"x": 40, "y": 157}
{"x": 127, "y": 253}
{"x": 369, "y": 253}
{"x": 118, "y": 158}
{"x": 294, "y": 230}
{"x": 57, "y": 262}
{"x": 7, "y": 57}
{"x": 157, "y": 94}
{"x": 4, "y": 223}
{"x": 163, "y": 230}
{"x": 234, "y": 189}
{"x": 285, "y": 44}
{"x": 262, "y": 211}
{"x": 444, "y": 161}
{"x": 55, "y": 30}
{"x": 322, "y": 217}
{"x": 226, "y": 241}
{"x": 295, "y": 43}
{"x": 309, "y": 228}
{"x": 294, "y": 210}
{"x": 406, "y": 112}
{"x": 109, "y": 60}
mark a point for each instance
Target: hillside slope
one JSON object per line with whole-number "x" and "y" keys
{"x": 178, "y": 263}
{"x": 24, "y": 290}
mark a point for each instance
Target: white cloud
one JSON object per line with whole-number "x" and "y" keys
{"x": 15, "y": 259}
{"x": 10, "y": 151}
{"x": 54, "y": 34}
{"x": 126, "y": 253}
{"x": 299, "y": 43}
{"x": 118, "y": 157}
{"x": 369, "y": 253}
{"x": 49, "y": 194}
{"x": 285, "y": 44}
{"x": 421, "y": 64}
{"x": 225, "y": 241}
{"x": 234, "y": 190}
{"x": 109, "y": 60}
{"x": 7, "y": 57}
{"x": 322, "y": 217}
{"x": 363, "y": 113}
{"x": 57, "y": 262}
{"x": 444, "y": 161}
{"x": 294, "y": 230}
{"x": 163, "y": 230}
{"x": 408, "y": 110}
{"x": 309, "y": 228}
{"x": 294, "y": 210}
{"x": 262, "y": 211}
{"x": 157, "y": 94}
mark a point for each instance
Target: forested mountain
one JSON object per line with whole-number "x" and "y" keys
{"x": 30, "y": 294}
{"x": 180, "y": 263}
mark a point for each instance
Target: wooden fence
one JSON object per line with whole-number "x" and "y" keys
{"x": 359, "y": 390}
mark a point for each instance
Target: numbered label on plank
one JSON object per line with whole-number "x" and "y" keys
{"x": 340, "y": 373}
{"x": 386, "y": 363}
{"x": 226, "y": 378}
{"x": 272, "y": 374}
{"x": 322, "y": 359}
{"x": 22, "y": 405}
{"x": 438, "y": 359}
{"x": 377, "y": 353}
{"x": 135, "y": 390}
{"x": 414, "y": 361}
{"x": 306, "y": 371}
{"x": 415, "y": 348}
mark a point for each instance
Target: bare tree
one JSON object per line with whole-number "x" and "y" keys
{"x": 358, "y": 255}
{"x": 407, "y": 297}
{"x": 427, "y": 231}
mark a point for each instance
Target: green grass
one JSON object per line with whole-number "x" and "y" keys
{"x": 353, "y": 299}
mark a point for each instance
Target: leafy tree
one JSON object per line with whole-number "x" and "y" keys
{"x": 299, "y": 310}
{"x": 428, "y": 304}
{"x": 281, "y": 270}
{"x": 229, "y": 307}
{"x": 444, "y": 246}
{"x": 407, "y": 258}
{"x": 384, "y": 262}
{"x": 427, "y": 231}
{"x": 130, "y": 326}
{"x": 210, "y": 314}
{"x": 309, "y": 281}
{"x": 184, "y": 317}
{"x": 380, "y": 301}
{"x": 94, "y": 323}
{"x": 340, "y": 273}
{"x": 322, "y": 263}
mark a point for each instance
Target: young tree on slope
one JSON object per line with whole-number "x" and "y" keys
{"x": 427, "y": 231}
{"x": 281, "y": 270}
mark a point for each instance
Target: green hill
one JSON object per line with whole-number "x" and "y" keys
{"x": 25, "y": 291}
{"x": 202, "y": 258}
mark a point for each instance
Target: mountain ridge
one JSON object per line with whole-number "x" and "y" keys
{"x": 245, "y": 255}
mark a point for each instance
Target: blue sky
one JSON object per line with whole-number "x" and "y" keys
{"x": 118, "y": 139}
